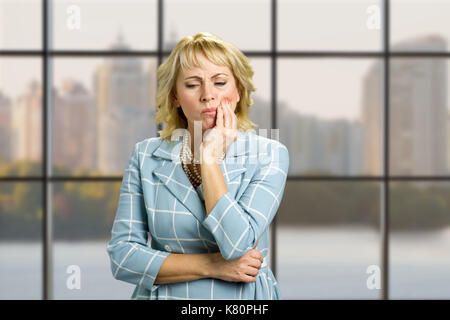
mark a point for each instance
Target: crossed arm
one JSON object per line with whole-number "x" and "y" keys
{"x": 180, "y": 267}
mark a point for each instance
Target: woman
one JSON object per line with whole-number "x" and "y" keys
{"x": 209, "y": 218}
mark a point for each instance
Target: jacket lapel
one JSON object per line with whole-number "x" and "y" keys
{"x": 172, "y": 175}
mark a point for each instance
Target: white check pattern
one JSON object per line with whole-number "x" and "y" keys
{"x": 157, "y": 200}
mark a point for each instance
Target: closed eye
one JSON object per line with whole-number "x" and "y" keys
{"x": 194, "y": 85}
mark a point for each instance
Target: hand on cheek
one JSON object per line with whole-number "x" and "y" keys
{"x": 224, "y": 133}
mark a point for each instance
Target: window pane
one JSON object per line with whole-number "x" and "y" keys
{"x": 260, "y": 111}
{"x": 83, "y": 218}
{"x": 420, "y": 240}
{"x": 344, "y": 25}
{"x": 102, "y": 108}
{"x": 20, "y": 24}
{"x": 330, "y": 115}
{"x": 420, "y": 117}
{"x": 20, "y": 117}
{"x": 420, "y": 25}
{"x": 104, "y": 24}
{"x": 228, "y": 20}
{"x": 20, "y": 241}
{"x": 326, "y": 240}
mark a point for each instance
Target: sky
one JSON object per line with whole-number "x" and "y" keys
{"x": 303, "y": 25}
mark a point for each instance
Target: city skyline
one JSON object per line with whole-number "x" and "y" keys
{"x": 349, "y": 31}
{"x": 333, "y": 144}
{"x": 84, "y": 67}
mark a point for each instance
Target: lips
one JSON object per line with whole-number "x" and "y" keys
{"x": 209, "y": 111}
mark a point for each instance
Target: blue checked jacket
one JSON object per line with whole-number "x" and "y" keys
{"x": 157, "y": 201}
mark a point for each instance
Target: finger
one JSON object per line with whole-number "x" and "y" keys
{"x": 247, "y": 278}
{"x": 231, "y": 124}
{"x": 225, "y": 117}
{"x": 252, "y": 271}
{"x": 219, "y": 117}
{"x": 226, "y": 114}
{"x": 234, "y": 118}
{"x": 256, "y": 254}
{"x": 230, "y": 114}
{"x": 255, "y": 263}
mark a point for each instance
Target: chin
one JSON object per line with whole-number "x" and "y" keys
{"x": 209, "y": 122}
{"x": 208, "y": 125}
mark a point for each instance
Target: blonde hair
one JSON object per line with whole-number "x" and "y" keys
{"x": 183, "y": 57}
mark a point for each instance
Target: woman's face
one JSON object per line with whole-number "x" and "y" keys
{"x": 201, "y": 88}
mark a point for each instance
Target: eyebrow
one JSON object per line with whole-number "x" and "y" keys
{"x": 197, "y": 77}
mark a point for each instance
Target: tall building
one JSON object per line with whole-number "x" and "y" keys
{"x": 342, "y": 147}
{"x": 335, "y": 146}
{"x": 356, "y": 136}
{"x": 59, "y": 122}
{"x": 124, "y": 115}
{"x": 5, "y": 129}
{"x": 418, "y": 112}
{"x": 74, "y": 127}
{"x": 372, "y": 118}
{"x": 27, "y": 124}
{"x": 317, "y": 146}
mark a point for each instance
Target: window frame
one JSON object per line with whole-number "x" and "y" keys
{"x": 46, "y": 53}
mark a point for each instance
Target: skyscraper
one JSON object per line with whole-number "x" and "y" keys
{"x": 27, "y": 124}
{"x": 418, "y": 111}
{"x": 5, "y": 128}
{"x": 74, "y": 127}
{"x": 372, "y": 120}
{"x": 124, "y": 116}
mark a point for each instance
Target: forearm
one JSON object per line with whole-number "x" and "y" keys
{"x": 214, "y": 186}
{"x": 179, "y": 267}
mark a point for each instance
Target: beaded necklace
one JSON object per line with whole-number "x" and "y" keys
{"x": 186, "y": 156}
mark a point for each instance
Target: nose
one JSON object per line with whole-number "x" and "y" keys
{"x": 208, "y": 93}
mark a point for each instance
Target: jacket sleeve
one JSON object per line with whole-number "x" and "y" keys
{"x": 132, "y": 260}
{"x": 237, "y": 224}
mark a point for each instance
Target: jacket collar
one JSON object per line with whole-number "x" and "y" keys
{"x": 171, "y": 173}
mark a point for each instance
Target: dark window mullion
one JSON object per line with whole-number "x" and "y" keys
{"x": 46, "y": 217}
{"x": 160, "y": 49}
{"x": 384, "y": 215}
{"x": 273, "y": 238}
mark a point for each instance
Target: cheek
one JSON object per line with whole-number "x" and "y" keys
{"x": 188, "y": 100}
{"x": 233, "y": 98}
